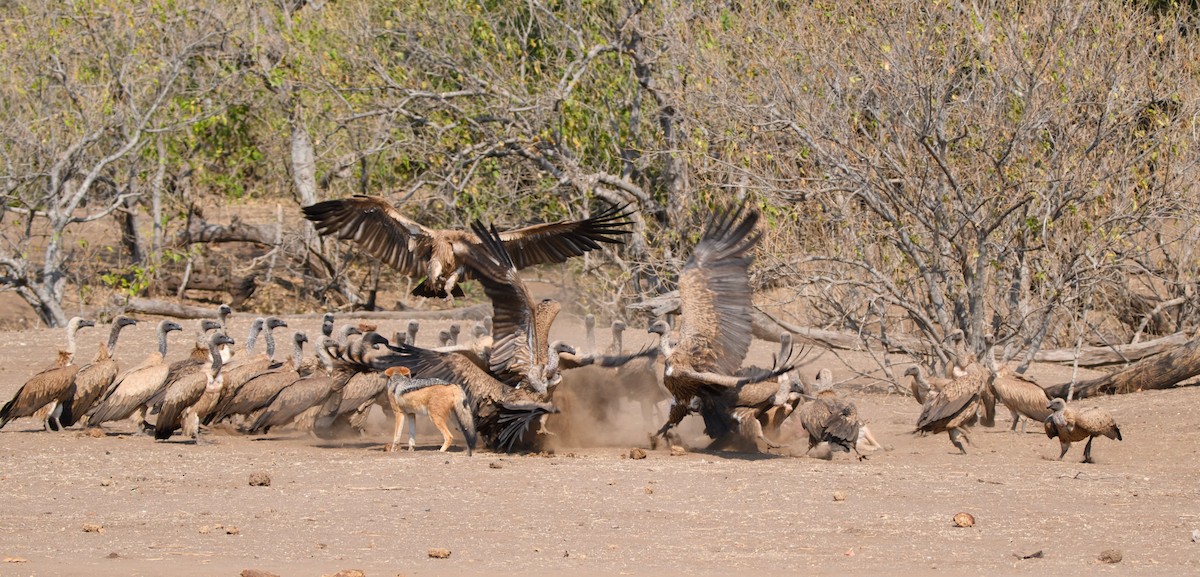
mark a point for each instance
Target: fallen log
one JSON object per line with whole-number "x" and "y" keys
{"x": 1162, "y": 371}
{"x": 1097, "y": 356}
{"x": 176, "y": 310}
{"x": 200, "y": 231}
{"x": 164, "y": 308}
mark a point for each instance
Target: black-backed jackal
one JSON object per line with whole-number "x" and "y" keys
{"x": 436, "y": 398}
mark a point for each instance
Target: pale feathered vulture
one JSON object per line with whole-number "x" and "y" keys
{"x": 50, "y": 385}
{"x": 715, "y": 324}
{"x": 94, "y": 378}
{"x": 958, "y": 405}
{"x": 375, "y": 226}
{"x": 133, "y": 390}
{"x": 186, "y": 391}
{"x": 1072, "y": 426}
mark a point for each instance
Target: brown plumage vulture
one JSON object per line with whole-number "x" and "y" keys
{"x": 375, "y": 226}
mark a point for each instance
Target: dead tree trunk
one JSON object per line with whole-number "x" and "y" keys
{"x": 1162, "y": 371}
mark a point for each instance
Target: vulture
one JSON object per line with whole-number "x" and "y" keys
{"x": 50, "y": 385}
{"x": 94, "y": 378}
{"x": 196, "y": 359}
{"x": 828, "y": 419}
{"x": 921, "y": 387}
{"x": 1072, "y": 426}
{"x": 300, "y": 396}
{"x": 186, "y": 391}
{"x": 957, "y": 406}
{"x": 375, "y": 226}
{"x": 356, "y": 382}
{"x": 242, "y": 369}
{"x": 715, "y": 325}
{"x": 134, "y": 389}
{"x": 1021, "y": 395}
{"x": 589, "y": 333}
{"x": 259, "y": 389}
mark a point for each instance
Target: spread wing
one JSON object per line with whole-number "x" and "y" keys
{"x": 714, "y": 290}
{"x": 376, "y": 227}
{"x": 513, "y": 309}
{"x": 558, "y": 241}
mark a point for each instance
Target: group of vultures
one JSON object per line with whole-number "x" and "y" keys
{"x": 501, "y": 385}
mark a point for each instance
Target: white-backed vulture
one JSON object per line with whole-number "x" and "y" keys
{"x": 443, "y": 338}
{"x": 49, "y": 386}
{"x": 617, "y": 345}
{"x": 589, "y": 333}
{"x": 94, "y": 378}
{"x": 185, "y": 392}
{"x": 921, "y": 387}
{"x": 378, "y": 228}
{"x": 259, "y": 389}
{"x": 241, "y": 370}
{"x": 1022, "y": 396}
{"x": 138, "y": 385}
{"x": 828, "y": 419}
{"x": 412, "y": 328}
{"x": 521, "y": 324}
{"x": 196, "y": 360}
{"x": 1071, "y": 426}
{"x": 957, "y": 406}
{"x": 455, "y": 330}
{"x": 354, "y": 378}
{"x": 715, "y": 324}
{"x": 212, "y": 396}
{"x": 307, "y": 392}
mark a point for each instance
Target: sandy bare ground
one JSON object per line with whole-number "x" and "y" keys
{"x": 170, "y": 508}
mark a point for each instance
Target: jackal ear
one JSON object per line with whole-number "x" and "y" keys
{"x": 393, "y": 371}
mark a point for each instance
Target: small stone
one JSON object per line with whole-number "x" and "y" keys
{"x": 206, "y": 530}
{"x": 637, "y": 453}
{"x": 649, "y": 490}
{"x": 839, "y": 496}
{"x": 15, "y": 560}
{"x": 94, "y": 432}
{"x": 439, "y": 553}
{"x": 678, "y": 451}
{"x": 106, "y": 483}
{"x": 93, "y": 528}
{"x": 1110, "y": 556}
{"x": 349, "y": 573}
{"x": 231, "y": 530}
{"x": 113, "y": 555}
{"x": 964, "y": 520}
{"x": 1196, "y": 536}
{"x": 495, "y": 465}
{"x": 260, "y": 480}
{"x": 256, "y": 573}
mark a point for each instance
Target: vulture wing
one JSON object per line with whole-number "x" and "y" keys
{"x": 714, "y": 290}
{"x": 514, "y": 330}
{"x": 375, "y": 226}
{"x": 558, "y": 241}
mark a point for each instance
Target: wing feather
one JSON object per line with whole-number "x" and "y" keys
{"x": 558, "y": 241}
{"x": 377, "y": 228}
{"x": 714, "y": 287}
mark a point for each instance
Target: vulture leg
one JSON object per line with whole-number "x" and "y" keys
{"x": 678, "y": 412}
{"x": 1016, "y": 417}
{"x": 53, "y": 410}
{"x": 954, "y": 435}
{"x": 1065, "y": 446}
{"x": 451, "y": 281}
{"x": 1087, "y": 450}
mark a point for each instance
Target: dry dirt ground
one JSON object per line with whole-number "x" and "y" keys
{"x": 183, "y": 509}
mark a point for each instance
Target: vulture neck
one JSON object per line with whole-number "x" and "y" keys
{"x": 270, "y": 344}
{"x": 252, "y": 339}
{"x": 297, "y": 354}
{"x": 71, "y": 330}
{"x": 111, "y": 347}
{"x": 162, "y": 341}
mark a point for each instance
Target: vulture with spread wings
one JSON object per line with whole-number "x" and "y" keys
{"x": 375, "y": 226}
{"x": 715, "y": 326}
